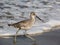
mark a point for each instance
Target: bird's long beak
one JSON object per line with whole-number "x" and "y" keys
{"x": 40, "y": 19}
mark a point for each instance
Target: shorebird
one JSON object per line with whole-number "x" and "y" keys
{"x": 25, "y": 25}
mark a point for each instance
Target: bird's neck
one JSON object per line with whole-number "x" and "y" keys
{"x": 32, "y": 18}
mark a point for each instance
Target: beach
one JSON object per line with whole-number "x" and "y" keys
{"x": 47, "y": 38}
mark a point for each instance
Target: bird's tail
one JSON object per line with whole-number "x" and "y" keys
{"x": 10, "y": 24}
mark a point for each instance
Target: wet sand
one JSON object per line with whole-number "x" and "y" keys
{"x": 47, "y": 38}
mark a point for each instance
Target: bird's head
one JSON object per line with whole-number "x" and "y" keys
{"x": 33, "y": 15}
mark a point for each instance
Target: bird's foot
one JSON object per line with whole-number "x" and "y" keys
{"x": 14, "y": 41}
{"x": 34, "y": 44}
{"x": 34, "y": 40}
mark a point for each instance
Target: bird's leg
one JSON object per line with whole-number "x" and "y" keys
{"x": 30, "y": 37}
{"x": 16, "y": 36}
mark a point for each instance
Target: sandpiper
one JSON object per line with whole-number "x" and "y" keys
{"x": 25, "y": 25}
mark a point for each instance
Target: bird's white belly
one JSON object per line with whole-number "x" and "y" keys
{"x": 25, "y": 28}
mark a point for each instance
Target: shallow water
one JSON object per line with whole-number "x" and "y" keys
{"x": 47, "y": 38}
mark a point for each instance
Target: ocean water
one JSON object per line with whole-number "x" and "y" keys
{"x": 12, "y": 11}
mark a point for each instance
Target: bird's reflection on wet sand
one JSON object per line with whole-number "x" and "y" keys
{"x": 31, "y": 42}
{"x": 34, "y": 43}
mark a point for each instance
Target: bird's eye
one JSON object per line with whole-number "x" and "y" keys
{"x": 33, "y": 13}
